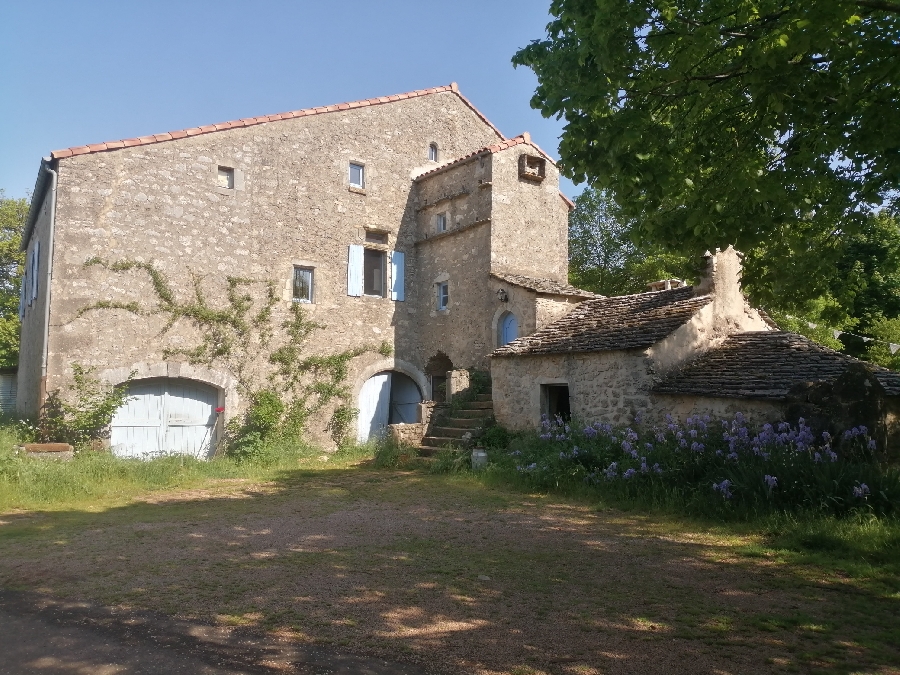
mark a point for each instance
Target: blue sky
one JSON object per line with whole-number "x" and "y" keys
{"x": 74, "y": 73}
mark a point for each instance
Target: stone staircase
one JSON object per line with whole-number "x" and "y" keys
{"x": 449, "y": 428}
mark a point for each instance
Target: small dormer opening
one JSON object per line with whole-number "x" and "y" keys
{"x": 225, "y": 178}
{"x": 433, "y": 152}
{"x": 532, "y": 167}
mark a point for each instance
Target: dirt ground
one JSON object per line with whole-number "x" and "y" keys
{"x": 448, "y": 576}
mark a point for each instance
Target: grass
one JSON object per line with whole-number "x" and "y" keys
{"x": 97, "y": 479}
{"x": 468, "y": 572}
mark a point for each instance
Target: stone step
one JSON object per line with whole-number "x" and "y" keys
{"x": 463, "y": 422}
{"x": 437, "y": 442}
{"x": 478, "y": 405}
{"x": 480, "y": 414}
{"x": 450, "y": 432}
{"x": 483, "y": 397}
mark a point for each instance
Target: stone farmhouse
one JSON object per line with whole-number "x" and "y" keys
{"x": 407, "y": 222}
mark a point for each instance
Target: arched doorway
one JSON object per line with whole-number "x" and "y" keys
{"x": 507, "y": 328}
{"x": 388, "y": 397}
{"x": 165, "y": 416}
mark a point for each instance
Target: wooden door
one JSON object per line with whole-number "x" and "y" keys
{"x": 374, "y": 407}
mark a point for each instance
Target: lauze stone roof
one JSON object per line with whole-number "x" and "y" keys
{"x": 605, "y": 324}
{"x": 547, "y": 286}
{"x": 764, "y": 364}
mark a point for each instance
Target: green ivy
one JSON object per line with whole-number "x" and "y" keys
{"x": 299, "y": 385}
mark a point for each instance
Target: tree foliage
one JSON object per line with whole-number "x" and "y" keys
{"x": 13, "y": 214}
{"x": 768, "y": 124}
{"x": 604, "y": 258}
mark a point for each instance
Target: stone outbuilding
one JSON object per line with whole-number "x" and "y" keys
{"x": 683, "y": 351}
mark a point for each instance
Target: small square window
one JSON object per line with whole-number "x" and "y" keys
{"x": 303, "y": 284}
{"x": 440, "y": 222}
{"x": 226, "y": 178}
{"x": 374, "y": 272}
{"x": 375, "y": 237}
{"x": 443, "y": 295}
{"x": 357, "y": 176}
{"x": 532, "y": 168}
{"x": 433, "y": 152}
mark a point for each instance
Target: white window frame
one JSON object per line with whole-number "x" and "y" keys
{"x": 362, "y": 175}
{"x": 312, "y": 284}
{"x": 443, "y": 296}
{"x": 433, "y": 153}
{"x": 440, "y": 222}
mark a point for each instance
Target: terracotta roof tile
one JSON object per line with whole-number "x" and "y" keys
{"x": 764, "y": 364}
{"x": 607, "y": 324}
{"x": 547, "y": 286}
{"x": 251, "y": 121}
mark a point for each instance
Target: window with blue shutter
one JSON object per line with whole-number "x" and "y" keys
{"x": 398, "y": 276}
{"x": 35, "y": 267}
{"x": 355, "y": 271}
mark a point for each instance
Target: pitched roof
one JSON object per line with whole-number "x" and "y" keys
{"x": 764, "y": 364}
{"x": 605, "y": 324}
{"x": 521, "y": 139}
{"x": 252, "y": 121}
{"x": 547, "y": 286}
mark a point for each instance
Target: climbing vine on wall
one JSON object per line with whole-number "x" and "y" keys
{"x": 284, "y": 384}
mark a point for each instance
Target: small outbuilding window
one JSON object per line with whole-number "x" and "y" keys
{"x": 433, "y": 152}
{"x": 357, "y": 176}
{"x": 555, "y": 401}
{"x": 443, "y": 295}
{"x": 303, "y": 284}
{"x": 440, "y": 222}
{"x": 225, "y": 178}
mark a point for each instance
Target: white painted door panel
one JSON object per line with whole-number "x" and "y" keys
{"x": 166, "y": 416}
{"x": 374, "y": 407}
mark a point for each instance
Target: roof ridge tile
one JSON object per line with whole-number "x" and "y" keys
{"x": 252, "y": 121}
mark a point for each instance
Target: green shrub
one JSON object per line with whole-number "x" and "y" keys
{"x": 84, "y": 416}
{"x": 390, "y": 455}
{"x": 452, "y": 460}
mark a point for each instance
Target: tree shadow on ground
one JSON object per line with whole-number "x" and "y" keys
{"x": 454, "y": 575}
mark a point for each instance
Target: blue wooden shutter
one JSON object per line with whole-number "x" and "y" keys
{"x": 36, "y": 258}
{"x": 398, "y": 272}
{"x": 355, "y": 271}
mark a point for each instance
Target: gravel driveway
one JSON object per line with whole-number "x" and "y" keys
{"x": 442, "y": 574}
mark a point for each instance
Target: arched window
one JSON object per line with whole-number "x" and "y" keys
{"x": 507, "y": 328}
{"x": 433, "y": 152}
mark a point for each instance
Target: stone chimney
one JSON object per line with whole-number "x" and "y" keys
{"x": 722, "y": 280}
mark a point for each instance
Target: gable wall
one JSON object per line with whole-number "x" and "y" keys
{"x": 159, "y": 203}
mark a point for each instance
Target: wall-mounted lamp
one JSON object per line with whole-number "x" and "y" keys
{"x": 502, "y": 295}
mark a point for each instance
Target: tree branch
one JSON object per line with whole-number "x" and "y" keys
{"x": 879, "y": 4}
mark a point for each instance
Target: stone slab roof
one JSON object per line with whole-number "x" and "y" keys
{"x": 606, "y": 324}
{"x": 764, "y": 364}
{"x": 547, "y": 286}
{"x": 251, "y": 121}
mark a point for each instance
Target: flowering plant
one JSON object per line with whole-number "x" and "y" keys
{"x": 706, "y": 465}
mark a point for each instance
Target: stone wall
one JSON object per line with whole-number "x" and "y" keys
{"x": 529, "y": 220}
{"x": 605, "y": 387}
